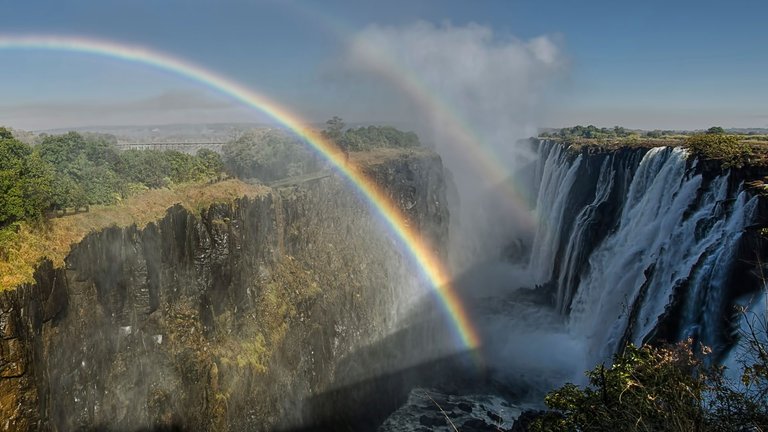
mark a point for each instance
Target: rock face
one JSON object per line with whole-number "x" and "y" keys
{"x": 223, "y": 320}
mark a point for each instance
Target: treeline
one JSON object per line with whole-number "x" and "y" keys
{"x": 75, "y": 170}
{"x": 369, "y": 137}
{"x": 72, "y": 170}
{"x": 589, "y": 132}
{"x": 274, "y": 154}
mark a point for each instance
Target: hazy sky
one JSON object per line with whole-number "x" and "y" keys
{"x": 649, "y": 64}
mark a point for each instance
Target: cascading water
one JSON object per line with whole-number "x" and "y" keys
{"x": 576, "y": 245}
{"x": 672, "y": 240}
{"x": 558, "y": 175}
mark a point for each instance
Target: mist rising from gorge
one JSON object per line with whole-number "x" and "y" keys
{"x": 472, "y": 93}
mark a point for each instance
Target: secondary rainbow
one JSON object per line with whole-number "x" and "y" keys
{"x": 482, "y": 156}
{"x": 421, "y": 252}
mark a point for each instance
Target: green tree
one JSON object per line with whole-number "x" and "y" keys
{"x": 334, "y": 129}
{"x": 38, "y": 186}
{"x": 211, "y": 160}
{"x": 24, "y": 182}
{"x": 147, "y": 167}
{"x": 715, "y": 130}
{"x": 5, "y": 133}
{"x": 728, "y": 149}
{"x": 267, "y": 155}
{"x": 13, "y": 154}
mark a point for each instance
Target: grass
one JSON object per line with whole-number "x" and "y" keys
{"x": 383, "y": 154}
{"x": 24, "y": 245}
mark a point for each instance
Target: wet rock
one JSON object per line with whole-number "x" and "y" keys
{"x": 432, "y": 421}
{"x": 464, "y": 406}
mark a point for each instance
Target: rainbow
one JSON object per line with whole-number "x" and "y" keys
{"x": 481, "y": 155}
{"x": 419, "y": 250}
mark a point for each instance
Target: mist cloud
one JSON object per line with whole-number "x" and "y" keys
{"x": 472, "y": 93}
{"x": 494, "y": 83}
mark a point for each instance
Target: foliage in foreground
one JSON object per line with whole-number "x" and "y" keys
{"x": 665, "y": 388}
{"x": 733, "y": 152}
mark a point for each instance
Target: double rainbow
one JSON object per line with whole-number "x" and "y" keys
{"x": 419, "y": 250}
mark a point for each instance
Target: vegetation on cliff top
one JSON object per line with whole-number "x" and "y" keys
{"x": 86, "y": 171}
{"x": 76, "y": 171}
{"x": 732, "y": 152}
{"x": 732, "y": 148}
{"x": 24, "y": 244}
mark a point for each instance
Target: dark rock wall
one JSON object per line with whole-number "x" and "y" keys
{"x": 226, "y": 320}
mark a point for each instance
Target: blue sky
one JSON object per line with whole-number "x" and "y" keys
{"x": 647, "y": 64}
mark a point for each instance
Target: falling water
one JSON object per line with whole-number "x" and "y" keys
{"x": 673, "y": 240}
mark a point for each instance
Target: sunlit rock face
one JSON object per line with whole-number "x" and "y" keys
{"x": 229, "y": 319}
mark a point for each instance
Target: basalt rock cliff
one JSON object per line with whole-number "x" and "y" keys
{"x": 230, "y": 319}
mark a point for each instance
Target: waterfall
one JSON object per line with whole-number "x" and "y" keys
{"x": 558, "y": 175}
{"x": 670, "y": 244}
{"x": 577, "y": 245}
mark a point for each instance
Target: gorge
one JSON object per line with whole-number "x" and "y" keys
{"x": 296, "y": 310}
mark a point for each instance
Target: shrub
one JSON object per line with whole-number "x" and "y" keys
{"x": 647, "y": 389}
{"x": 668, "y": 388}
{"x": 728, "y": 149}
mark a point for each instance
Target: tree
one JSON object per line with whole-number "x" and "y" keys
{"x": 13, "y": 154}
{"x": 267, "y": 155}
{"x": 334, "y": 129}
{"x": 25, "y": 182}
{"x": 715, "y": 130}
{"x": 728, "y": 149}
{"x": 668, "y": 388}
{"x": 5, "y": 133}
{"x": 211, "y": 160}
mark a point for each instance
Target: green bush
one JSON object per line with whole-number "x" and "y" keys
{"x": 668, "y": 388}
{"x": 647, "y": 389}
{"x": 728, "y": 149}
{"x": 268, "y": 155}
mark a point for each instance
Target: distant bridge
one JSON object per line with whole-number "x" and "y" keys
{"x": 184, "y": 147}
{"x": 293, "y": 181}
{"x": 297, "y": 180}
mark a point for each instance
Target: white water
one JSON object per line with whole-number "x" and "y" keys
{"x": 558, "y": 176}
{"x": 672, "y": 228}
{"x": 568, "y": 282}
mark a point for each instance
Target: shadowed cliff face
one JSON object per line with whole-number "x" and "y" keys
{"x": 226, "y": 320}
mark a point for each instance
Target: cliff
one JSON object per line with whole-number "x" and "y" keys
{"x": 226, "y": 319}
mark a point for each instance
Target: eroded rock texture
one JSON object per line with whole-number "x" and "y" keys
{"x": 223, "y": 320}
